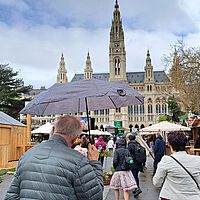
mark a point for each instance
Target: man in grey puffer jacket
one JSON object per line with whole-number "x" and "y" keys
{"x": 54, "y": 171}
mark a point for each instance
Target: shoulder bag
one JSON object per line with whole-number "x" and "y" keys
{"x": 186, "y": 171}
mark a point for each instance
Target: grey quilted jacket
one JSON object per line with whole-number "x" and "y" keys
{"x": 53, "y": 171}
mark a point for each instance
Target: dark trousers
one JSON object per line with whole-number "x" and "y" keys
{"x": 135, "y": 173}
{"x": 101, "y": 159}
{"x": 156, "y": 161}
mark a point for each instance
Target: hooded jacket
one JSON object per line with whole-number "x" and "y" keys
{"x": 119, "y": 154}
{"x": 52, "y": 170}
{"x": 100, "y": 142}
{"x": 159, "y": 148}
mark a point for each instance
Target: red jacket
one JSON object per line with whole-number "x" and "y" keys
{"x": 100, "y": 142}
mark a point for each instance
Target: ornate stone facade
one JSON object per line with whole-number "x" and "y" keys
{"x": 154, "y": 85}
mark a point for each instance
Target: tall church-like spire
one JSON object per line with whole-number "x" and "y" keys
{"x": 116, "y": 4}
{"x": 62, "y": 72}
{"x": 117, "y": 53}
{"x": 88, "y": 69}
{"x": 149, "y": 75}
{"x": 176, "y": 58}
{"x": 176, "y": 69}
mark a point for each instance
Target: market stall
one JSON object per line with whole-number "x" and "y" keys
{"x": 164, "y": 128}
{"x": 12, "y": 139}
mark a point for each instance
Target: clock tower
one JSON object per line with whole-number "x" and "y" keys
{"x": 117, "y": 53}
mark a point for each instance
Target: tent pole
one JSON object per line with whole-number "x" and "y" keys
{"x": 87, "y": 118}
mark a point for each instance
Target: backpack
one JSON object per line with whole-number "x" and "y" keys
{"x": 127, "y": 162}
{"x": 140, "y": 154}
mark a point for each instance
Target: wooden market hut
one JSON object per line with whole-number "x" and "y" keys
{"x": 12, "y": 139}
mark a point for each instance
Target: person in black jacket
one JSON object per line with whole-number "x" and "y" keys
{"x": 159, "y": 150}
{"x": 122, "y": 178}
{"x": 137, "y": 166}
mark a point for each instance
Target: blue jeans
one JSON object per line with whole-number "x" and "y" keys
{"x": 135, "y": 173}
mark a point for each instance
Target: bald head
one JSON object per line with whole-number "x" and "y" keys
{"x": 68, "y": 126}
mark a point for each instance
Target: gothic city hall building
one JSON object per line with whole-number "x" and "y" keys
{"x": 151, "y": 84}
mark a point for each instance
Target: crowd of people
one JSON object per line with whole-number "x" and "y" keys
{"x": 69, "y": 166}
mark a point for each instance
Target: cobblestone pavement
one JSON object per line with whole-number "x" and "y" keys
{"x": 149, "y": 192}
{"x": 4, "y": 185}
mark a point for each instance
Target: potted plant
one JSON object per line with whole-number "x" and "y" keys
{"x": 107, "y": 176}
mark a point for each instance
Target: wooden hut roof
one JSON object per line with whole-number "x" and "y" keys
{"x": 6, "y": 119}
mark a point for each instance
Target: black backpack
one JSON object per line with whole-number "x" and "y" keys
{"x": 127, "y": 162}
{"x": 140, "y": 153}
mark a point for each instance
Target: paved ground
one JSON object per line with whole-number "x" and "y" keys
{"x": 4, "y": 185}
{"x": 149, "y": 192}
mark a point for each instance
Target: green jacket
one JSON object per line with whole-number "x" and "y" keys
{"x": 53, "y": 171}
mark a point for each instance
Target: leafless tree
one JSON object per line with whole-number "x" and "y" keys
{"x": 184, "y": 72}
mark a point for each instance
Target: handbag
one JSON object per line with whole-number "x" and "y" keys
{"x": 186, "y": 171}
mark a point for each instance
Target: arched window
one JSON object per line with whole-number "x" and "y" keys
{"x": 137, "y": 127}
{"x": 164, "y": 108}
{"x": 158, "y": 108}
{"x": 150, "y": 108}
{"x": 141, "y": 109}
{"x": 130, "y": 126}
{"x": 117, "y": 66}
{"x": 142, "y": 126}
{"x": 130, "y": 110}
{"x": 136, "y": 109}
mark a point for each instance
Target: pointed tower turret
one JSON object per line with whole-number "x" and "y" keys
{"x": 176, "y": 58}
{"x": 149, "y": 75}
{"x": 176, "y": 72}
{"x": 117, "y": 53}
{"x": 62, "y": 72}
{"x": 88, "y": 69}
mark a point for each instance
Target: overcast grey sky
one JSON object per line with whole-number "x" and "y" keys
{"x": 35, "y": 33}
